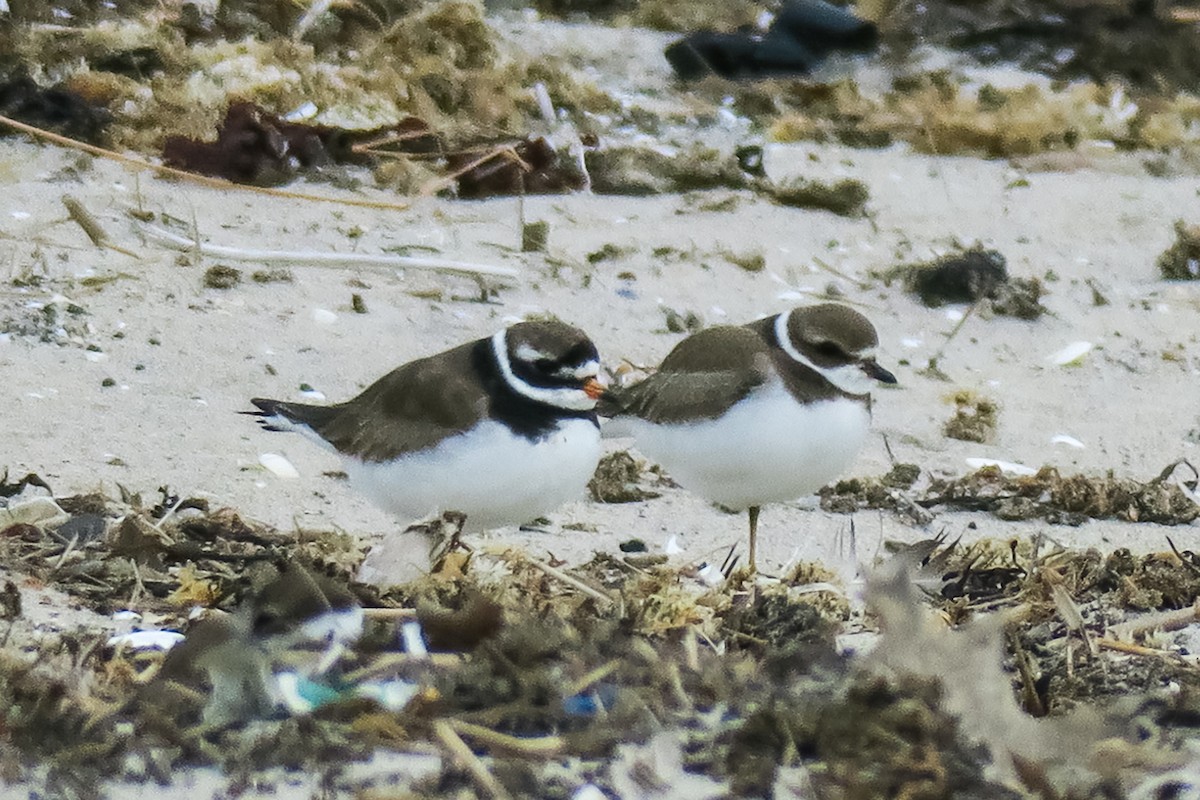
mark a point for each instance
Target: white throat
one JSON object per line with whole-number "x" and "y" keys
{"x": 559, "y": 397}
{"x": 850, "y": 378}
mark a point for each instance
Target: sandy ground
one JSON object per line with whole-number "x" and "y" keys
{"x": 188, "y": 358}
{"x": 184, "y": 359}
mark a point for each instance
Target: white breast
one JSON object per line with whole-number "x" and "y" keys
{"x": 488, "y": 473}
{"x": 767, "y": 448}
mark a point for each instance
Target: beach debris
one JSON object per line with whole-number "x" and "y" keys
{"x": 256, "y": 147}
{"x": 222, "y": 276}
{"x": 535, "y": 236}
{"x": 1007, "y": 467}
{"x": 1068, "y": 440}
{"x": 1181, "y": 261}
{"x": 528, "y": 166}
{"x": 31, "y": 511}
{"x": 294, "y": 258}
{"x": 639, "y": 170}
{"x": 1069, "y": 499}
{"x": 618, "y": 479}
{"x": 278, "y": 465}
{"x": 970, "y": 276}
{"x": 686, "y": 321}
{"x": 56, "y": 109}
{"x": 975, "y": 417}
{"x": 1072, "y": 355}
{"x": 90, "y": 225}
{"x": 145, "y": 640}
{"x": 801, "y": 35}
{"x": 846, "y": 198}
{"x": 521, "y": 660}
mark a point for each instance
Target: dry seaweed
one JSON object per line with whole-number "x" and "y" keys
{"x": 530, "y": 166}
{"x": 639, "y": 171}
{"x": 975, "y": 417}
{"x": 970, "y": 276}
{"x": 1066, "y": 499}
{"x": 1181, "y": 261}
{"x": 56, "y": 108}
{"x": 618, "y": 479}
{"x": 256, "y": 147}
{"x": 846, "y": 198}
{"x": 528, "y": 667}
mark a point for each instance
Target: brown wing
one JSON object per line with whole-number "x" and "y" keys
{"x": 411, "y": 408}
{"x": 700, "y": 379}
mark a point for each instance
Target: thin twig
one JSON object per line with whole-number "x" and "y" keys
{"x": 540, "y": 746}
{"x": 505, "y": 151}
{"x": 303, "y": 257}
{"x": 595, "y": 676}
{"x": 1162, "y": 620}
{"x": 83, "y": 218}
{"x": 191, "y": 177}
{"x": 571, "y": 581}
{"x": 66, "y": 552}
{"x": 1132, "y": 649}
{"x": 462, "y": 754}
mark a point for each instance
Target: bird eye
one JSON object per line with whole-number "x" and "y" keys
{"x": 829, "y": 349}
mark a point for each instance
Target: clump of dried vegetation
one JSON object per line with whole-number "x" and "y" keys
{"x": 532, "y": 666}
{"x": 1166, "y": 499}
{"x": 1181, "y": 261}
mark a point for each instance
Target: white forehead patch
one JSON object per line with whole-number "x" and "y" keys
{"x": 559, "y": 397}
{"x": 850, "y": 378}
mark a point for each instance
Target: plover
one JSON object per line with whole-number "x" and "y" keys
{"x": 502, "y": 429}
{"x": 757, "y": 414}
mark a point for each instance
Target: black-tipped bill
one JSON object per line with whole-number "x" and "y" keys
{"x": 872, "y": 369}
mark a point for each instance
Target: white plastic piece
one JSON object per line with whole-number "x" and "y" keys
{"x": 414, "y": 639}
{"x": 1004, "y": 466}
{"x": 146, "y": 640}
{"x": 1070, "y": 441}
{"x": 1071, "y": 355}
{"x": 278, "y": 466}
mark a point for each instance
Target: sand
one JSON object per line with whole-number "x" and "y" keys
{"x": 185, "y": 358}
{"x": 148, "y": 393}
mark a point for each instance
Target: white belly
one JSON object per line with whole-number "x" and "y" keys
{"x": 488, "y": 473}
{"x": 767, "y": 448}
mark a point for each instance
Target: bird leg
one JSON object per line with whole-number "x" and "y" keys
{"x": 753, "y": 512}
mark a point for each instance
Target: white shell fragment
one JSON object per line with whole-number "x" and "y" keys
{"x": 323, "y": 316}
{"x": 1069, "y": 441}
{"x": 1071, "y": 355}
{"x": 278, "y": 466}
{"x": 672, "y": 547}
{"x": 146, "y": 640}
{"x": 1004, "y": 466}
